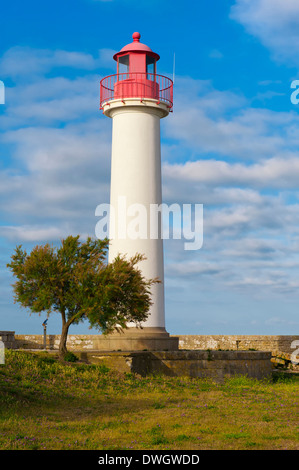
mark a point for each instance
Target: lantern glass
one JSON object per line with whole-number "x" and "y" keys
{"x": 150, "y": 67}
{"x": 123, "y": 64}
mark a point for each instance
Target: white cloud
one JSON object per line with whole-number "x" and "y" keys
{"x": 33, "y": 233}
{"x": 192, "y": 268}
{"x": 224, "y": 123}
{"x": 63, "y": 174}
{"x": 57, "y": 173}
{"x": 21, "y": 61}
{"x": 276, "y": 172}
{"x": 274, "y": 22}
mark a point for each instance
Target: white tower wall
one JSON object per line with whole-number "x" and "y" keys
{"x": 136, "y": 179}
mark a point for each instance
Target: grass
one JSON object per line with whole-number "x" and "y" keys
{"x": 45, "y": 404}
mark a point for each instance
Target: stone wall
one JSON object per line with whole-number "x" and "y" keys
{"x": 238, "y": 342}
{"x": 215, "y": 365}
{"x": 74, "y": 342}
{"x": 278, "y": 348}
{"x": 8, "y": 338}
{"x": 186, "y": 342}
{"x": 281, "y": 347}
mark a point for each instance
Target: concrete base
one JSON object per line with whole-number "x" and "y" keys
{"x": 8, "y": 339}
{"x": 215, "y": 365}
{"x": 137, "y": 339}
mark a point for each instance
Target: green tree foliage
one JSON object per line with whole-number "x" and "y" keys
{"x": 75, "y": 280}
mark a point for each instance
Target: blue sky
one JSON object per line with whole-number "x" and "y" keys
{"x": 230, "y": 144}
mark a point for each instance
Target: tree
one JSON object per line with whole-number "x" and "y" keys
{"x": 76, "y": 281}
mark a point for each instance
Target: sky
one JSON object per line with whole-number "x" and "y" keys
{"x": 231, "y": 144}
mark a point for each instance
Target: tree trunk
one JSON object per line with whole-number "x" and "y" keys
{"x": 63, "y": 339}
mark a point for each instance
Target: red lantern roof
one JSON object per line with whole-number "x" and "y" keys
{"x": 136, "y": 46}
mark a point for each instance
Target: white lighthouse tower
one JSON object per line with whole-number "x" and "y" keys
{"x": 136, "y": 98}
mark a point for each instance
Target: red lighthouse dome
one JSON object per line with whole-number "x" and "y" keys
{"x": 139, "y": 57}
{"x": 136, "y": 76}
{"x": 136, "y": 46}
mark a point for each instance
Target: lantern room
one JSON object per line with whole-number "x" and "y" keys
{"x": 136, "y": 58}
{"x": 136, "y": 76}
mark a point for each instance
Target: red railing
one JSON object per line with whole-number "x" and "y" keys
{"x": 136, "y": 85}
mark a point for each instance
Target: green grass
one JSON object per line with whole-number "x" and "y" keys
{"x": 45, "y": 404}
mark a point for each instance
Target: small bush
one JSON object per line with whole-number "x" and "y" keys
{"x": 46, "y": 360}
{"x": 280, "y": 377}
{"x": 158, "y": 406}
{"x": 182, "y": 437}
{"x": 70, "y": 357}
{"x": 103, "y": 369}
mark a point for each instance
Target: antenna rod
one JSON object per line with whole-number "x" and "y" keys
{"x": 173, "y": 73}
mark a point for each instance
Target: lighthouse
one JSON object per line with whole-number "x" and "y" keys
{"x": 136, "y": 98}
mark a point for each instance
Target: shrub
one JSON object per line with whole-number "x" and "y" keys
{"x": 70, "y": 357}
